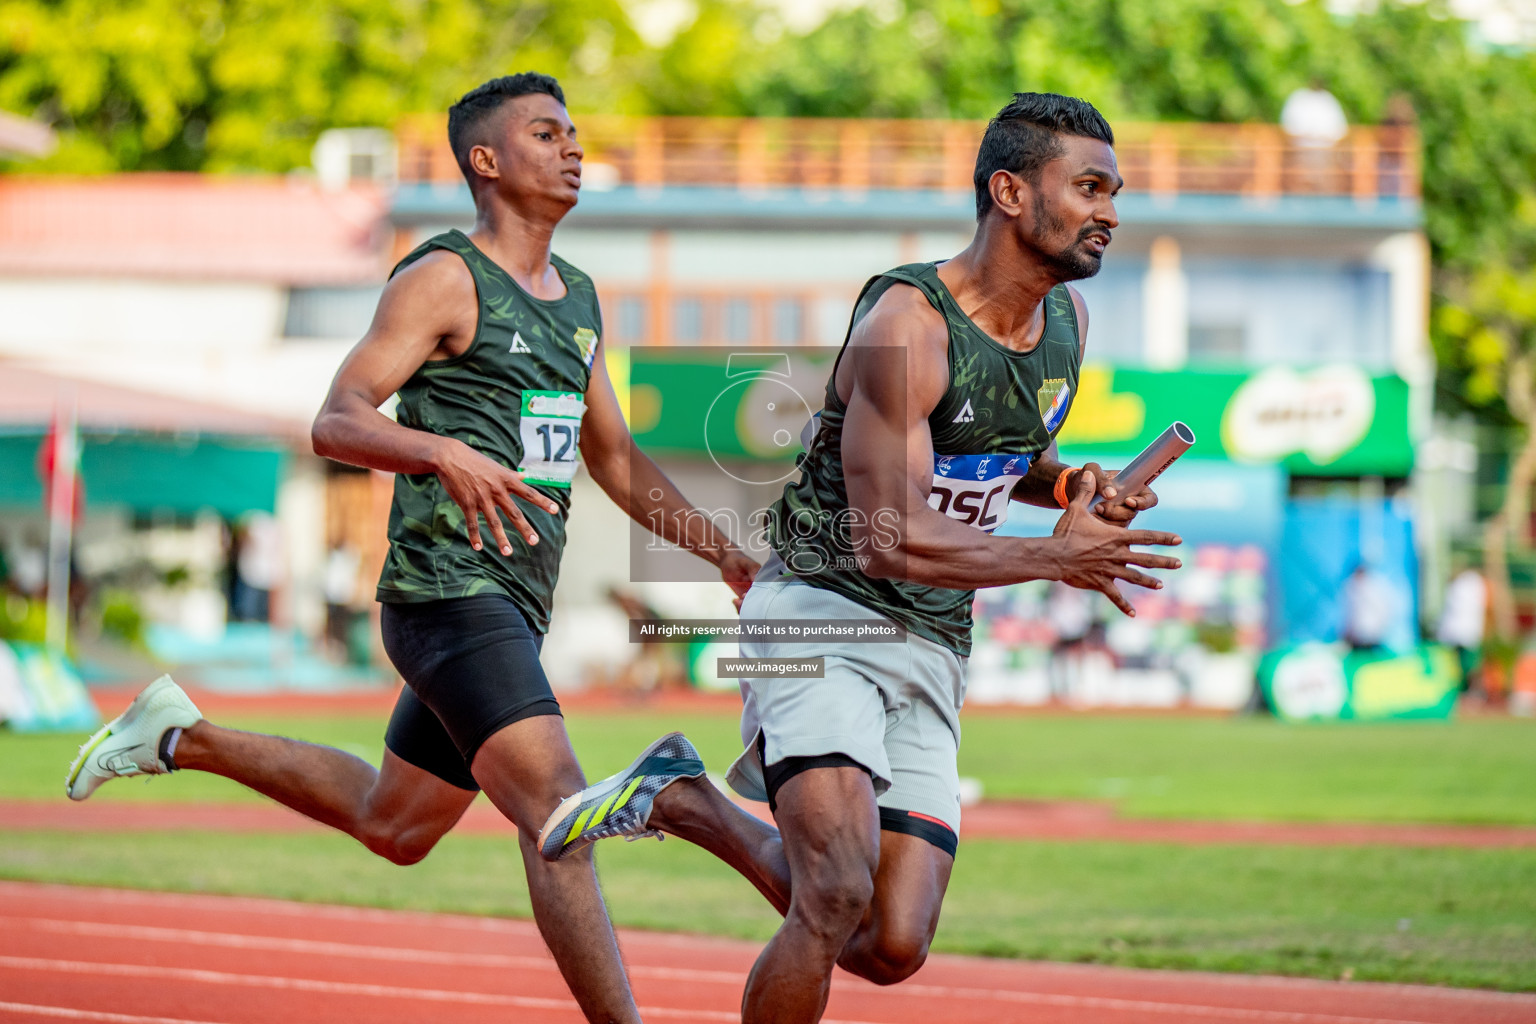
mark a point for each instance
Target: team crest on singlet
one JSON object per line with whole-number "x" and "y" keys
{"x": 1054, "y": 396}
{"x": 586, "y": 338}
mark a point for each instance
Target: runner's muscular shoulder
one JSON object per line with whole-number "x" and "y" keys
{"x": 873, "y": 369}
{"x": 429, "y": 311}
{"x": 424, "y": 310}
{"x": 891, "y": 377}
{"x": 431, "y": 307}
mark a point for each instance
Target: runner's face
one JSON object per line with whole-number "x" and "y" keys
{"x": 1072, "y": 212}
{"x": 537, "y": 154}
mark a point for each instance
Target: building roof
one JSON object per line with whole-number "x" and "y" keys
{"x": 282, "y": 230}
{"x": 29, "y": 396}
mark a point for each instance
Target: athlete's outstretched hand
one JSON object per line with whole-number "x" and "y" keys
{"x": 1095, "y": 554}
{"x": 1116, "y": 507}
{"x": 480, "y": 485}
{"x": 738, "y": 571}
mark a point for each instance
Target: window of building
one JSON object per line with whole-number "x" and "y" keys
{"x": 330, "y": 312}
{"x": 688, "y": 321}
{"x": 1217, "y": 343}
{"x": 738, "y": 321}
{"x": 631, "y": 322}
{"x": 1293, "y": 312}
{"x": 788, "y": 321}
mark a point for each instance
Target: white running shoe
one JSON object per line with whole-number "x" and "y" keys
{"x": 130, "y": 743}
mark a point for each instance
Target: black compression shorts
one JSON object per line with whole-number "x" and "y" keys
{"x": 471, "y": 667}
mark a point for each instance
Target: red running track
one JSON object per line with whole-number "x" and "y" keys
{"x": 121, "y": 957}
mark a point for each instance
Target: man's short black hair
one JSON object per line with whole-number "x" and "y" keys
{"x": 1026, "y": 135}
{"x": 475, "y": 108}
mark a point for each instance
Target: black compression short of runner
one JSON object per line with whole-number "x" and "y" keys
{"x": 780, "y": 772}
{"x": 471, "y": 667}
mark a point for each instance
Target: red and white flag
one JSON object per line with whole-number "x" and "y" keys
{"x": 58, "y": 464}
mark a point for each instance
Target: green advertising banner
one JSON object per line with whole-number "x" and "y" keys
{"x": 731, "y": 404}
{"x": 1330, "y": 681}
{"x": 1325, "y": 421}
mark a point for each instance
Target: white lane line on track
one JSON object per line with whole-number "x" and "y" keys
{"x": 534, "y": 1002}
{"x": 267, "y": 905}
{"x": 343, "y": 988}
{"x": 286, "y": 908}
{"x": 946, "y": 992}
{"x": 226, "y": 940}
{"x": 294, "y": 909}
{"x": 910, "y": 989}
{"x": 1185, "y": 1010}
{"x": 69, "y": 1013}
{"x": 230, "y": 940}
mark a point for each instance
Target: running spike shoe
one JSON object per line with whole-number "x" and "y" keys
{"x": 130, "y": 743}
{"x": 620, "y": 805}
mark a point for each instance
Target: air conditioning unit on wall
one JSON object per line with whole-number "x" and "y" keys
{"x": 343, "y": 156}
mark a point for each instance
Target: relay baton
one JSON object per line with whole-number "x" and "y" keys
{"x": 1154, "y": 458}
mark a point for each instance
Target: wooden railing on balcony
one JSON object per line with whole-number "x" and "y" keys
{"x": 854, "y": 156}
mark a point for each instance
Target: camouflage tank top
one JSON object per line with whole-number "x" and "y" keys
{"x": 1002, "y": 409}
{"x": 516, "y": 395}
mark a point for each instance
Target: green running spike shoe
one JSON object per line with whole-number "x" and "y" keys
{"x": 620, "y": 805}
{"x": 130, "y": 743}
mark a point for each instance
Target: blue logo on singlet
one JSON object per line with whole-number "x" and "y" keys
{"x": 980, "y": 467}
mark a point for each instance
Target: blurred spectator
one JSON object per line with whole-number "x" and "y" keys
{"x": 340, "y": 580}
{"x": 258, "y": 567}
{"x": 1070, "y": 613}
{"x": 1462, "y": 620}
{"x": 29, "y": 567}
{"x": 1369, "y": 602}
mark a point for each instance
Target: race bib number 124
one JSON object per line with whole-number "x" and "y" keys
{"x": 551, "y": 432}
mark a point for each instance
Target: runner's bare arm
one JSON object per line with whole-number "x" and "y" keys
{"x": 429, "y": 311}
{"x": 1039, "y": 485}
{"x": 896, "y": 374}
{"x": 639, "y": 487}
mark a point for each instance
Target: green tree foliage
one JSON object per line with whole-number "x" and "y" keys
{"x": 249, "y": 84}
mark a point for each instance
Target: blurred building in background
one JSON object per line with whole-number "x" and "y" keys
{"x": 1273, "y": 296}
{"x": 165, "y": 308}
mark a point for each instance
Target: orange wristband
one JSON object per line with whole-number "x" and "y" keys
{"x": 1060, "y": 492}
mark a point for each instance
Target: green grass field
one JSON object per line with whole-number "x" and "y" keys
{"x": 1477, "y": 770}
{"x": 1460, "y": 917}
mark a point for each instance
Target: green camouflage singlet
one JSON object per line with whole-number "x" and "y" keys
{"x": 1001, "y": 411}
{"x": 517, "y": 395}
